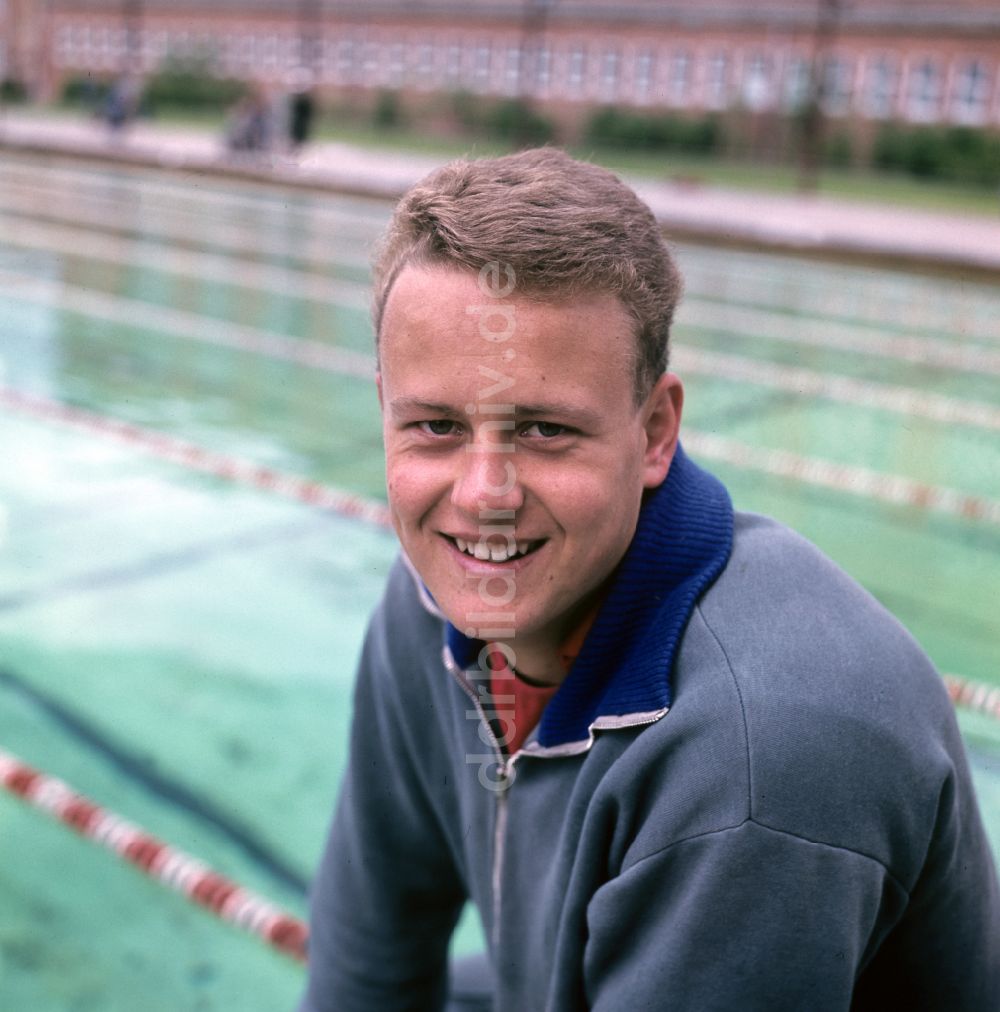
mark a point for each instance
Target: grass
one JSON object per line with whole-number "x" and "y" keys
{"x": 847, "y": 184}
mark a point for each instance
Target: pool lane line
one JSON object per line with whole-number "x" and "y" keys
{"x": 142, "y": 771}
{"x": 877, "y": 486}
{"x": 767, "y": 325}
{"x": 971, "y": 695}
{"x": 267, "y": 199}
{"x": 756, "y": 273}
{"x": 745, "y": 322}
{"x": 317, "y": 287}
{"x": 901, "y": 400}
{"x": 156, "y": 858}
{"x": 746, "y": 272}
{"x": 191, "y": 326}
{"x": 339, "y": 361}
{"x": 218, "y": 267}
{"x": 198, "y": 458}
{"x": 852, "y": 299}
{"x": 199, "y": 233}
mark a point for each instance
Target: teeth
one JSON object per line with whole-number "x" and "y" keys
{"x": 484, "y": 553}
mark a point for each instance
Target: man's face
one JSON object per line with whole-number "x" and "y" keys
{"x": 510, "y": 427}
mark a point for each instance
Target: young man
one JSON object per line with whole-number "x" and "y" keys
{"x": 675, "y": 757}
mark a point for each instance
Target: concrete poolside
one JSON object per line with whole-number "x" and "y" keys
{"x": 817, "y": 225}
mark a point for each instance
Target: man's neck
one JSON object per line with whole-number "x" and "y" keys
{"x": 538, "y": 663}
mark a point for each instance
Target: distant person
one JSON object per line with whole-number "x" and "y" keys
{"x": 678, "y": 760}
{"x": 249, "y": 124}
{"x": 121, "y": 104}
{"x": 302, "y": 110}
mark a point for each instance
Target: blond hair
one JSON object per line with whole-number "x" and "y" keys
{"x": 563, "y": 226}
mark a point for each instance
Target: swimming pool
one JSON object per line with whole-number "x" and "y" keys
{"x": 179, "y": 616}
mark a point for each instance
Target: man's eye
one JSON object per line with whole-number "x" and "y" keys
{"x": 439, "y": 427}
{"x": 547, "y": 430}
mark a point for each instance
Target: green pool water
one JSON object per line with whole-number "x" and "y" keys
{"x": 181, "y": 648}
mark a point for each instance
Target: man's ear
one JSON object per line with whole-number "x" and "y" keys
{"x": 662, "y": 422}
{"x": 378, "y": 387}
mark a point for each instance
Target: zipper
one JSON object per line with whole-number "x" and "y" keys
{"x": 505, "y": 765}
{"x": 499, "y": 839}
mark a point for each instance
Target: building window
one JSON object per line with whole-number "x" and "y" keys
{"x": 482, "y": 67}
{"x": 293, "y": 51}
{"x": 642, "y": 82}
{"x": 397, "y": 65}
{"x": 270, "y": 54}
{"x": 798, "y": 82}
{"x": 881, "y": 83}
{"x": 610, "y": 75}
{"x": 679, "y": 85}
{"x": 717, "y": 81}
{"x": 453, "y": 66}
{"x": 512, "y": 70}
{"x": 923, "y": 100}
{"x": 346, "y": 55}
{"x": 425, "y": 65}
{"x": 370, "y": 64}
{"x": 758, "y": 82}
{"x": 838, "y": 81}
{"x": 576, "y": 67}
{"x": 543, "y": 70}
{"x": 970, "y": 95}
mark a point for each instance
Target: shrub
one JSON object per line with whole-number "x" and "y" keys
{"x": 190, "y": 85}
{"x": 611, "y": 127}
{"x": 972, "y": 156}
{"x": 387, "y": 113}
{"x": 957, "y": 154}
{"x": 13, "y": 91}
{"x": 516, "y": 120}
{"x": 83, "y": 91}
{"x": 890, "y": 149}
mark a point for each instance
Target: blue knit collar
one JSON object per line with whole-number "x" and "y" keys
{"x": 681, "y": 544}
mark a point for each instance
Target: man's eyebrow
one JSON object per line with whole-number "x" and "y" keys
{"x": 407, "y": 405}
{"x": 558, "y": 409}
{"x": 497, "y": 409}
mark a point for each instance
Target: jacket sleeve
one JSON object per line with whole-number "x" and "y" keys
{"x": 756, "y": 919}
{"x": 387, "y": 894}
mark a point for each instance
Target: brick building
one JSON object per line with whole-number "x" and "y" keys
{"x": 916, "y": 61}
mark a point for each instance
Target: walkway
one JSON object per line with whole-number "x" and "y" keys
{"x": 813, "y": 224}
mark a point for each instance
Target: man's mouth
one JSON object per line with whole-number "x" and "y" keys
{"x": 484, "y": 552}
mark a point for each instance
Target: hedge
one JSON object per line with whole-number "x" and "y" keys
{"x": 612, "y": 127}
{"x": 957, "y": 154}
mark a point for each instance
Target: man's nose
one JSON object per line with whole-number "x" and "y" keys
{"x": 487, "y": 479}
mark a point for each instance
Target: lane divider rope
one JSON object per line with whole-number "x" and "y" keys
{"x": 159, "y": 860}
{"x": 197, "y": 458}
{"x": 976, "y": 696}
{"x": 190, "y": 326}
{"x": 843, "y": 389}
{"x": 890, "y": 488}
{"x": 700, "y": 314}
{"x": 895, "y": 490}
